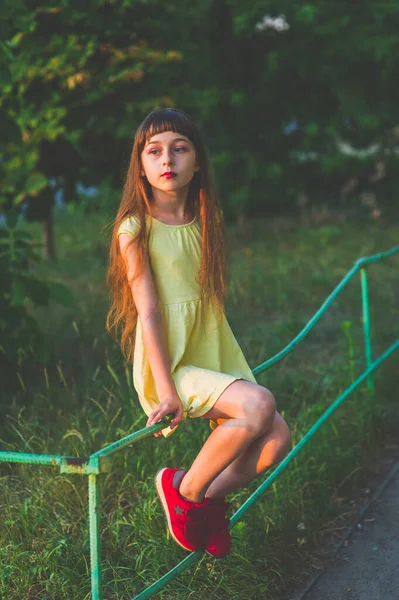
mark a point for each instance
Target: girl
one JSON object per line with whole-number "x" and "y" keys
{"x": 167, "y": 280}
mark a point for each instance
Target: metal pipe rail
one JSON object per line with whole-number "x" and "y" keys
{"x": 99, "y": 462}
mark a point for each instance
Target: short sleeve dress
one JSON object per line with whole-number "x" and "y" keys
{"x": 204, "y": 360}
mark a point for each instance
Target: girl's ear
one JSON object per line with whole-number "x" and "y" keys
{"x": 196, "y": 168}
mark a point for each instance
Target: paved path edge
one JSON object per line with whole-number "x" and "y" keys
{"x": 361, "y": 510}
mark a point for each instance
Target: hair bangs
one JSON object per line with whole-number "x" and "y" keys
{"x": 167, "y": 119}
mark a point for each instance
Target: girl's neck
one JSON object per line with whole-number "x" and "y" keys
{"x": 176, "y": 213}
{"x": 172, "y": 205}
{"x": 169, "y": 220}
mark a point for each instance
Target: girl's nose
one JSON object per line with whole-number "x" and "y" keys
{"x": 168, "y": 159}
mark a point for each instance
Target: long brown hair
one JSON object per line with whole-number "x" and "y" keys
{"x": 136, "y": 195}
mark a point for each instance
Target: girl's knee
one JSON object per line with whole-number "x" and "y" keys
{"x": 261, "y": 410}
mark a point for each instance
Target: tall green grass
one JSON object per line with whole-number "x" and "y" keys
{"x": 85, "y": 398}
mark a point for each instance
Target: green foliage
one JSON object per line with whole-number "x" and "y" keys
{"x": 321, "y": 65}
{"x": 21, "y": 292}
{"x": 78, "y": 80}
{"x": 67, "y": 102}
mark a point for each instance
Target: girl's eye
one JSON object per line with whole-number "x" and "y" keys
{"x": 177, "y": 148}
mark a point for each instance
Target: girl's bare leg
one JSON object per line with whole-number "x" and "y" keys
{"x": 265, "y": 452}
{"x": 248, "y": 411}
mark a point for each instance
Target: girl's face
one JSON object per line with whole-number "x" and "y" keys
{"x": 169, "y": 161}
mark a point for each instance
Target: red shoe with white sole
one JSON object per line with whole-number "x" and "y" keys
{"x": 185, "y": 519}
{"x": 218, "y": 539}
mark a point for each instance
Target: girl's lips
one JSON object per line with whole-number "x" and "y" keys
{"x": 169, "y": 175}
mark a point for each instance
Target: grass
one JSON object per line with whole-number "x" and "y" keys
{"x": 85, "y": 398}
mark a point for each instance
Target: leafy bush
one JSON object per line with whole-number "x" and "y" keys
{"x": 20, "y": 335}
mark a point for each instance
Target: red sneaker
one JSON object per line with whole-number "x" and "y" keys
{"x": 185, "y": 518}
{"x": 218, "y": 540}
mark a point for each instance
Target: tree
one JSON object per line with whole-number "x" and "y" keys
{"x": 67, "y": 98}
{"x": 297, "y": 81}
{"x": 281, "y": 90}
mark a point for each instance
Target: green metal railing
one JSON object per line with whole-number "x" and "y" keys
{"x": 99, "y": 462}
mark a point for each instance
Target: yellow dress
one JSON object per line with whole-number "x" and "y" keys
{"x": 203, "y": 360}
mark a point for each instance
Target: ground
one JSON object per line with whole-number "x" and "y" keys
{"x": 363, "y": 564}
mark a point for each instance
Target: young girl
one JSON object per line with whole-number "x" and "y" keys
{"x": 167, "y": 280}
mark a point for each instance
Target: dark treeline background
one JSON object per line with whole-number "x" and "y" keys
{"x": 298, "y": 101}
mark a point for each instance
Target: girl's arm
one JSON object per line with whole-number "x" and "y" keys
{"x": 146, "y": 302}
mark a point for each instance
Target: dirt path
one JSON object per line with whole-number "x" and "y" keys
{"x": 366, "y": 566}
